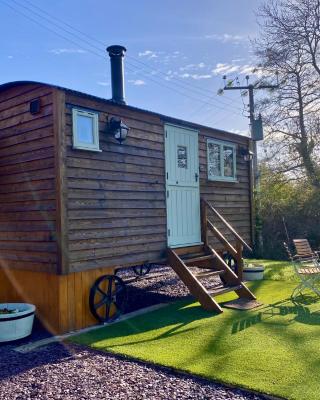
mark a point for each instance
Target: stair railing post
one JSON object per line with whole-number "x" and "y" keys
{"x": 240, "y": 263}
{"x": 204, "y": 217}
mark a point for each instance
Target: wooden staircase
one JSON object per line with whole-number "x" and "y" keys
{"x": 203, "y": 270}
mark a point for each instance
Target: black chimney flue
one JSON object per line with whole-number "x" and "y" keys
{"x": 116, "y": 54}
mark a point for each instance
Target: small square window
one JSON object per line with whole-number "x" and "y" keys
{"x": 221, "y": 160}
{"x": 85, "y": 130}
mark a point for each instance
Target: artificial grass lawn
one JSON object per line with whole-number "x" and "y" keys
{"x": 274, "y": 349}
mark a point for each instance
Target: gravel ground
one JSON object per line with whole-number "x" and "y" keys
{"x": 161, "y": 285}
{"x": 70, "y": 372}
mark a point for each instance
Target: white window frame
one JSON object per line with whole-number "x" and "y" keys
{"x": 221, "y": 177}
{"x": 77, "y": 144}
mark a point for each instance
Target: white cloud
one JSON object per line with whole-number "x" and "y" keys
{"x": 67, "y": 51}
{"x": 195, "y": 76}
{"x": 160, "y": 57}
{"x": 192, "y": 66}
{"x": 137, "y": 82}
{"x": 204, "y": 76}
{"x": 10, "y": 57}
{"x": 225, "y": 68}
{"x": 101, "y": 83}
{"x": 227, "y": 38}
{"x": 246, "y": 69}
{"x": 148, "y": 53}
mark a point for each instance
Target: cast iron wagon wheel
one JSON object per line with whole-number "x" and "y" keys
{"x": 231, "y": 261}
{"x": 141, "y": 270}
{"x": 109, "y": 292}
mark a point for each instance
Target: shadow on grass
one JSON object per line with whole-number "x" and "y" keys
{"x": 283, "y": 308}
{"x": 175, "y": 318}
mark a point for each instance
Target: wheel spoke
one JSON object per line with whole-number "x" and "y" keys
{"x": 101, "y": 303}
{"x": 108, "y": 311}
{"x": 101, "y": 291}
{"x": 114, "y": 294}
{"x": 110, "y": 284}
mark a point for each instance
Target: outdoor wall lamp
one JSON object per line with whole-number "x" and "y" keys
{"x": 118, "y": 129}
{"x": 246, "y": 154}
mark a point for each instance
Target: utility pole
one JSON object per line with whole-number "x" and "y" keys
{"x": 256, "y": 131}
{"x": 255, "y": 124}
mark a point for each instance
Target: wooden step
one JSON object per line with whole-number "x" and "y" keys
{"x": 224, "y": 289}
{"x": 181, "y": 251}
{"x": 208, "y": 274}
{"x": 186, "y": 257}
{"x": 193, "y": 284}
{"x": 197, "y": 260}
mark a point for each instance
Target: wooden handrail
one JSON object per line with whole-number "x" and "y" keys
{"x": 235, "y": 234}
{"x": 222, "y": 239}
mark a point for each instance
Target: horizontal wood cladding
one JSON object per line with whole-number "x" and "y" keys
{"x": 27, "y": 180}
{"x": 62, "y": 308}
{"x": 231, "y": 199}
{"x": 116, "y": 198}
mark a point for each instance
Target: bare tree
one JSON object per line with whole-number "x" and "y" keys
{"x": 289, "y": 46}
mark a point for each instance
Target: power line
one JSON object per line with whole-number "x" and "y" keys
{"x": 180, "y": 82}
{"x": 51, "y": 30}
{"x": 90, "y": 50}
{"x": 95, "y": 40}
{"x": 183, "y": 85}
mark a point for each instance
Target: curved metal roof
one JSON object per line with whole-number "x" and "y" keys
{"x": 166, "y": 118}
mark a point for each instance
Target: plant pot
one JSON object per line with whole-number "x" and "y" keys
{"x": 16, "y": 325}
{"x": 253, "y": 273}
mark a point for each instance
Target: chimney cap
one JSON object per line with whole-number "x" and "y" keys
{"x": 116, "y": 50}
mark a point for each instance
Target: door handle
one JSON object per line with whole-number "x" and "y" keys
{"x": 196, "y": 175}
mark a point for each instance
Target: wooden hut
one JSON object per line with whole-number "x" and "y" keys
{"x": 75, "y": 204}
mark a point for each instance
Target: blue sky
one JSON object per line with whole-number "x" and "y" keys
{"x": 177, "y": 51}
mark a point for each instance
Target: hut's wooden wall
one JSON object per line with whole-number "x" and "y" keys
{"x": 231, "y": 199}
{"x": 116, "y": 198}
{"x": 27, "y": 180}
{"x": 62, "y": 301}
{"x": 82, "y": 213}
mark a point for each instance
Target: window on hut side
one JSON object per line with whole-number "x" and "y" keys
{"x": 85, "y": 130}
{"x": 221, "y": 160}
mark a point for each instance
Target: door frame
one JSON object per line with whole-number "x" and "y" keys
{"x": 194, "y": 131}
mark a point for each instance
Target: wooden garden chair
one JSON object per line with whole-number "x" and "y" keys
{"x": 307, "y": 268}
{"x": 304, "y": 249}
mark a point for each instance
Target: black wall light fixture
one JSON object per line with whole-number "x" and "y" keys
{"x": 246, "y": 153}
{"x": 118, "y": 129}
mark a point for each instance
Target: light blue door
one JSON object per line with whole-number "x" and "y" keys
{"x": 182, "y": 185}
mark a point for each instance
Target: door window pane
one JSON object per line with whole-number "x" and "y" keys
{"x": 182, "y": 157}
